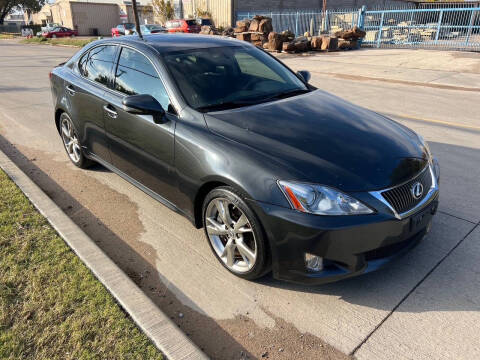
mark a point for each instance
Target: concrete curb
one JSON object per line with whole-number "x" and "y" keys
{"x": 171, "y": 341}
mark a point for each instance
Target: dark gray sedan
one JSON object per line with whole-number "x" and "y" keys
{"x": 282, "y": 176}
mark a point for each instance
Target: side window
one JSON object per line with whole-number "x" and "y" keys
{"x": 136, "y": 75}
{"x": 97, "y": 63}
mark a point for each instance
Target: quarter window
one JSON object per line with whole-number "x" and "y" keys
{"x": 136, "y": 75}
{"x": 97, "y": 63}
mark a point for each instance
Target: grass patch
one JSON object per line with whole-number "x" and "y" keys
{"x": 58, "y": 41}
{"x": 7, "y": 36}
{"x": 51, "y": 305}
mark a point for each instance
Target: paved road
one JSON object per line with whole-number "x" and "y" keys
{"x": 424, "y": 306}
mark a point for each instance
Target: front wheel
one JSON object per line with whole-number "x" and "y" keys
{"x": 234, "y": 234}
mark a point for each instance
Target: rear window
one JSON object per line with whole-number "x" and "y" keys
{"x": 171, "y": 24}
{"x": 191, "y": 22}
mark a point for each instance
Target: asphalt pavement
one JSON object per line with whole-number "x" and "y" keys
{"x": 426, "y": 305}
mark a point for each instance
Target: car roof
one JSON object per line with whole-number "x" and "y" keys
{"x": 178, "y": 42}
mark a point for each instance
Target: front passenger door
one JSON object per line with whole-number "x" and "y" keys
{"x": 140, "y": 148}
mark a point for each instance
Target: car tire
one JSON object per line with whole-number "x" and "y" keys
{"x": 71, "y": 142}
{"x": 72, "y": 36}
{"x": 54, "y": 36}
{"x": 242, "y": 250}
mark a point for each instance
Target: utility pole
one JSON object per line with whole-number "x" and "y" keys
{"x": 137, "y": 21}
{"x": 324, "y": 17}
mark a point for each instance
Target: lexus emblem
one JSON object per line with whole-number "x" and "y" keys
{"x": 417, "y": 190}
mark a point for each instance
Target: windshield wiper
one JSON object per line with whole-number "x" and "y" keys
{"x": 285, "y": 94}
{"x": 226, "y": 105}
{"x": 240, "y": 103}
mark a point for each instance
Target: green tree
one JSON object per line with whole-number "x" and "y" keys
{"x": 162, "y": 10}
{"x": 7, "y": 6}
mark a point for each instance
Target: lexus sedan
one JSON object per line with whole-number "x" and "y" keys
{"x": 282, "y": 176}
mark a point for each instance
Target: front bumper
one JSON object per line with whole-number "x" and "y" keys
{"x": 350, "y": 245}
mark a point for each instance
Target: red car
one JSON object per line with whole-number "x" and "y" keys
{"x": 60, "y": 32}
{"x": 183, "y": 26}
{"x": 123, "y": 29}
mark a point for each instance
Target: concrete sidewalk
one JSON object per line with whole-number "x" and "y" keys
{"x": 438, "y": 69}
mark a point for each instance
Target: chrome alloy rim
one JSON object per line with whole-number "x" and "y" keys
{"x": 231, "y": 235}
{"x": 70, "y": 140}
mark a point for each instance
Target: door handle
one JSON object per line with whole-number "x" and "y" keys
{"x": 110, "y": 112}
{"x": 70, "y": 90}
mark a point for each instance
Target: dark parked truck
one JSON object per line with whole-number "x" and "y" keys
{"x": 282, "y": 176}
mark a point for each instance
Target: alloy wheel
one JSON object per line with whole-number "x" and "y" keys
{"x": 231, "y": 235}
{"x": 70, "y": 140}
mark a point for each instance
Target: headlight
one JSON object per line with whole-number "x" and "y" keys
{"x": 321, "y": 200}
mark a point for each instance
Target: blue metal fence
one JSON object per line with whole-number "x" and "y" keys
{"x": 448, "y": 28}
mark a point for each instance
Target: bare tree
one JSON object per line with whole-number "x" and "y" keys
{"x": 163, "y": 10}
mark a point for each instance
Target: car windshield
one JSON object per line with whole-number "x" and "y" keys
{"x": 228, "y": 77}
{"x": 129, "y": 26}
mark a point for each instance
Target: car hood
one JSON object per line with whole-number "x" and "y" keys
{"x": 326, "y": 140}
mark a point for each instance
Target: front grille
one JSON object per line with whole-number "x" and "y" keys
{"x": 401, "y": 197}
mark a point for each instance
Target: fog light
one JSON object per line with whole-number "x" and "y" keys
{"x": 313, "y": 262}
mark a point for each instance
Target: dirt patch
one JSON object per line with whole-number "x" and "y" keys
{"x": 112, "y": 221}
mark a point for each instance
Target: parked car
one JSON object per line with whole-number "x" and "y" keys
{"x": 47, "y": 27}
{"x": 205, "y": 22}
{"x": 123, "y": 29}
{"x": 59, "y": 32}
{"x": 149, "y": 29}
{"x": 281, "y": 175}
{"x": 183, "y": 25}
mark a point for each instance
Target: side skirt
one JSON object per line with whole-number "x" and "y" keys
{"x": 142, "y": 187}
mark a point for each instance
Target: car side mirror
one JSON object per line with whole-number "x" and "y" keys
{"x": 305, "y": 75}
{"x": 144, "y": 105}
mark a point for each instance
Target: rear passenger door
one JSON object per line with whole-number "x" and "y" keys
{"x": 140, "y": 148}
{"x": 85, "y": 91}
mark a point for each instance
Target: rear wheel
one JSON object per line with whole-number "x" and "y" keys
{"x": 234, "y": 234}
{"x": 71, "y": 143}
{"x": 54, "y": 36}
